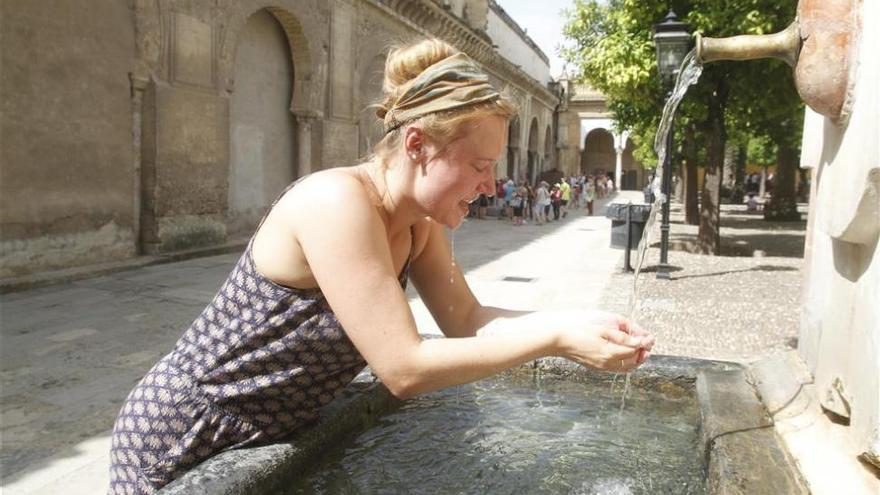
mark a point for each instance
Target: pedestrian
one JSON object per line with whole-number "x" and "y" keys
{"x": 530, "y": 201}
{"x": 591, "y": 195}
{"x": 509, "y": 192}
{"x": 555, "y": 200}
{"x": 482, "y": 204}
{"x": 564, "y": 197}
{"x": 319, "y": 292}
{"x": 542, "y": 203}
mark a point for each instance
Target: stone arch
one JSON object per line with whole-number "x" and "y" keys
{"x": 513, "y": 137}
{"x": 598, "y": 154}
{"x": 303, "y": 95}
{"x": 262, "y": 152}
{"x": 370, "y": 92}
{"x": 532, "y": 163}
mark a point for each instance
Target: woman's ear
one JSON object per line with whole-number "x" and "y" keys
{"x": 413, "y": 142}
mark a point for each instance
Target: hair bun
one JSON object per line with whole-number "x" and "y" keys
{"x": 404, "y": 63}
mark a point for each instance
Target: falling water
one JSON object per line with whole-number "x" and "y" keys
{"x": 452, "y": 257}
{"x": 688, "y": 75}
{"x": 452, "y": 263}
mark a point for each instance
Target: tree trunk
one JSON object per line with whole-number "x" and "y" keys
{"x": 709, "y": 237}
{"x": 783, "y": 202}
{"x": 690, "y": 201}
{"x": 739, "y": 187}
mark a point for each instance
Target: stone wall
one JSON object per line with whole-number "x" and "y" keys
{"x": 133, "y": 127}
{"x": 66, "y": 178}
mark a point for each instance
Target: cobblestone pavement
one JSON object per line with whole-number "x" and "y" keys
{"x": 737, "y": 306}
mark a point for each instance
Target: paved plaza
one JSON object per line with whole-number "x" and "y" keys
{"x": 72, "y": 351}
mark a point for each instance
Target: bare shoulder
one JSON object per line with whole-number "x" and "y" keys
{"x": 326, "y": 192}
{"x": 331, "y": 206}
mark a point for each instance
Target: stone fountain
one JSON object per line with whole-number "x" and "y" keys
{"x": 832, "y": 47}
{"x": 838, "y": 360}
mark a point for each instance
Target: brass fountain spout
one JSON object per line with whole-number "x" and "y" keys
{"x": 820, "y": 45}
{"x": 783, "y": 45}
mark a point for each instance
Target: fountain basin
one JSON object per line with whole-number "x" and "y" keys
{"x": 735, "y": 450}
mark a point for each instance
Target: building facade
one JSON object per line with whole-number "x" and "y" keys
{"x": 589, "y": 143}
{"x": 153, "y": 126}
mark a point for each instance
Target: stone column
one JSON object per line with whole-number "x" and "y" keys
{"x": 618, "y": 167}
{"x": 138, "y": 87}
{"x": 305, "y": 123}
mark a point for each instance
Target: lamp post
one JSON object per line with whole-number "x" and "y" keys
{"x": 671, "y": 40}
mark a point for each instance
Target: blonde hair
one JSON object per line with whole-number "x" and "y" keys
{"x": 406, "y": 62}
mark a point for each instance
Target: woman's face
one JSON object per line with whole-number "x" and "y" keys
{"x": 454, "y": 176}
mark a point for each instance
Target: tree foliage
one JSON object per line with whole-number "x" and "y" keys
{"x": 613, "y": 50}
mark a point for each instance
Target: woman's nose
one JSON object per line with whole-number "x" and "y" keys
{"x": 487, "y": 185}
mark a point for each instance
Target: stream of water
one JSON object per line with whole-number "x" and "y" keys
{"x": 688, "y": 75}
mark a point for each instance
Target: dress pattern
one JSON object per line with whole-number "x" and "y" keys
{"x": 253, "y": 367}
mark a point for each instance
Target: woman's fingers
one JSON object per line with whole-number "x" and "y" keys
{"x": 625, "y": 358}
{"x": 625, "y": 339}
{"x": 617, "y": 352}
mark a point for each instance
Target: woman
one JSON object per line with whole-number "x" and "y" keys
{"x": 297, "y": 319}
{"x": 542, "y": 203}
{"x": 591, "y": 195}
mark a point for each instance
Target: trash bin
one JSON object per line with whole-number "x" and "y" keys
{"x": 648, "y": 191}
{"x": 638, "y": 217}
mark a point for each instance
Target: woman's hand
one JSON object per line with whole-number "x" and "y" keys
{"x": 604, "y": 341}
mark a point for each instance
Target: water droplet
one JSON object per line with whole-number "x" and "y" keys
{"x": 452, "y": 256}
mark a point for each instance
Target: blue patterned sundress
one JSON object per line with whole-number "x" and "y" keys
{"x": 254, "y": 367}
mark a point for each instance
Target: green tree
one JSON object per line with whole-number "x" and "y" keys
{"x": 614, "y": 50}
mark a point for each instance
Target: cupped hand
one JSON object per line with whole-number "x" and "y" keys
{"x": 605, "y": 341}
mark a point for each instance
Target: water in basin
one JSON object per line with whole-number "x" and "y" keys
{"x": 518, "y": 434}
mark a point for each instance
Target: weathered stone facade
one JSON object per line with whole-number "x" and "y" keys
{"x": 152, "y": 126}
{"x": 588, "y": 141}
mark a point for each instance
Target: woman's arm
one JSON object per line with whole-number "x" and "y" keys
{"x": 581, "y": 335}
{"x": 352, "y": 264}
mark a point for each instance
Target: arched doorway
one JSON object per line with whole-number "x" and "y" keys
{"x": 598, "y": 156}
{"x": 262, "y": 158}
{"x": 532, "y": 169}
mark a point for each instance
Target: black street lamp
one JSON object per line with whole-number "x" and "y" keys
{"x": 672, "y": 41}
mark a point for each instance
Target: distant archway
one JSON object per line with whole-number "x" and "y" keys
{"x": 598, "y": 156}
{"x": 262, "y": 154}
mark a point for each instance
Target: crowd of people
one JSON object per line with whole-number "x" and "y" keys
{"x": 541, "y": 202}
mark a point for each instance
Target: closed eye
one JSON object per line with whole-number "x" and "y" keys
{"x": 480, "y": 166}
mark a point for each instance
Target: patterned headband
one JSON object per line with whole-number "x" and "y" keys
{"x": 453, "y": 82}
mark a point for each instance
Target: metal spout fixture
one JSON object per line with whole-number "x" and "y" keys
{"x": 784, "y": 45}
